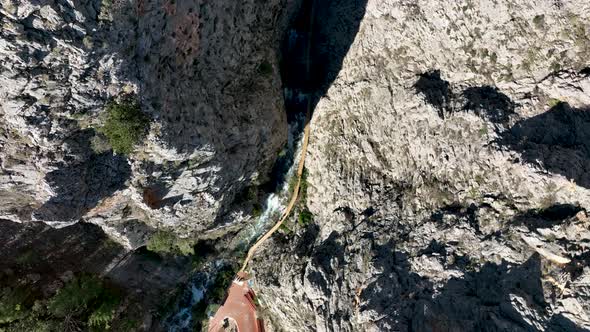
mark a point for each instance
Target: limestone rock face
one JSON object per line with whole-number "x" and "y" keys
{"x": 448, "y": 176}
{"x": 448, "y": 167}
{"x": 206, "y": 73}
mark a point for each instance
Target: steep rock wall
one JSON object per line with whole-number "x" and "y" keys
{"x": 206, "y": 73}
{"x": 447, "y": 176}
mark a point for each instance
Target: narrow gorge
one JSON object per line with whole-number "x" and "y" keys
{"x": 146, "y": 145}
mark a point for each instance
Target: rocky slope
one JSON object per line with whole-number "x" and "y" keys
{"x": 206, "y": 76}
{"x": 205, "y": 73}
{"x": 448, "y": 165}
{"x": 448, "y": 175}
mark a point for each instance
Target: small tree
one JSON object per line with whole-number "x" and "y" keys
{"x": 85, "y": 296}
{"x": 101, "y": 317}
{"x": 12, "y": 304}
{"x": 305, "y": 217}
{"x": 76, "y": 296}
{"x": 168, "y": 243}
{"x": 125, "y": 125}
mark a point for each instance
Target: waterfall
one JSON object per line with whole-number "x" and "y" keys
{"x": 276, "y": 202}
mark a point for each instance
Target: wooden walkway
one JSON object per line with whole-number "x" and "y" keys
{"x": 306, "y": 133}
{"x": 294, "y": 196}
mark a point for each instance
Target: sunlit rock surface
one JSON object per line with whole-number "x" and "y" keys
{"x": 448, "y": 164}
{"x": 448, "y": 175}
{"x": 206, "y": 73}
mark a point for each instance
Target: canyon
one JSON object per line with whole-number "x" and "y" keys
{"x": 446, "y": 182}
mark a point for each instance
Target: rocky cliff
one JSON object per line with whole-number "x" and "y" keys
{"x": 205, "y": 73}
{"x": 447, "y": 184}
{"x": 448, "y": 175}
{"x": 202, "y": 80}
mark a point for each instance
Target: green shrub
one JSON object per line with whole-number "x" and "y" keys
{"x": 12, "y": 304}
{"x": 35, "y": 324}
{"x": 302, "y": 186}
{"x": 221, "y": 284}
{"x": 85, "y": 298}
{"x": 256, "y": 210}
{"x": 75, "y": 297}
{"x": 28, "y": 257}
{"x": 265, "y": 68}
{"x": 553, "y": 102}
{"x": 285, "y": 229}
{"x": 483, "y": 131}
{"x": 105, "y": 313}
{"x": 292, "y": 184}
{"x": 305, "y": 217}
{"x": 125, "y": 125}
{"x": 252, "y": 193}
{"x": 129, "y": 325}
{"x": 168, "y": 243}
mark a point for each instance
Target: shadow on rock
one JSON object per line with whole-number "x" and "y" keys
{"x": 436, "y": 91}
{"x": 206, "y": 72}
{"x": 83, "y": 180}
{"x": 37, "y": 254}
{"x": 150, "y": 272}
{"x": 560, "y": 323}
{"x": 197, "y": 66}
{"x": 392, "y": 295}
{"x": 557, "y": 140}
{"x": 326, "y": 251}
{"x": 304, "y": 246}
{"x": 486, "y": 297}
{"x": 320, "y": 38}
{"x": 157, "y": 191}
{"x": 327, "y": 258}
{"x": 485, "y": 101}
{"x": 548, "y": 217}
{"x": 49, "y": 252}
{"x": 313, "y": 50}
{"x": 315, "y": 46}
{"x": 467, "y": 214}
{"x": 497, "y": 297}
{"x": 488, "y": 102}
